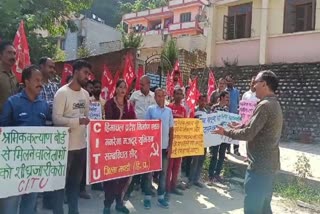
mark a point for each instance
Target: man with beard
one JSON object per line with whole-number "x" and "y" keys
{"x": 263, "y": 134}
{"x": 8, "y": 81}
{"x": 24, "y": 109}
{"x": 71, "y": 109}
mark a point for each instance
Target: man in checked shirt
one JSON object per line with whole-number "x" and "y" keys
{"x": 47, "y": 68}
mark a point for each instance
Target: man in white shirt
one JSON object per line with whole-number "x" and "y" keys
{"x": 71, "y": 109}
{"x": 141, "y": 100}
{"x": 251, "y": 94}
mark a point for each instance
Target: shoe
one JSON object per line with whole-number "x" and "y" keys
{"x": 176, "y": 192}
{"x": 147, "y": 204}
{"x": 189, "y": 185}
{"x": 181, "y": 186}
{"x": 163, "y": 203}
{"x": 122, "y": 209}
{"x": 85, "y": 195}
{"x": 198, "y": 184}
{"x": 228, "y": 152}
{"x": 106, "y": 211}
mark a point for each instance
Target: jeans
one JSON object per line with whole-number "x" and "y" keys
{"x": 115, "y": 190}
{"x": 162, "y": 179}
{"x": 216, "y": 163}
{"x": 172, "y": 173}
{"x": 258, "y": 192}
{"x": 83, "y": 180}
{"x": 196, "y": 167}
{"x": 76, "y": 163}
{"x": 27, "y": 204}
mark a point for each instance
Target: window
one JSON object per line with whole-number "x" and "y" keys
{"x": 185, "y": 17}
{"x": 62, "y": 44}
{"x": 237, "y": 24}
{"x": 299, "y": 15}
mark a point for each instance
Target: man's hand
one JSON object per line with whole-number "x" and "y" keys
{"x": 235, "y": 125}
{"x": 84, "y": 121}
{"x": 219, "y": 130}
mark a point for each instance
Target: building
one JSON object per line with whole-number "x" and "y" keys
{"x": 92, "y": 34}
{"x": 252, "y": 32}
{"x": 181, "y": 19}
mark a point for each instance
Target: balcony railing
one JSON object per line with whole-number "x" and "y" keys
{"x": 156, "y": 32}
{"x": 174, "y": 3}
{"x": 146, "y": 13}
{"x": 182, "y": 26}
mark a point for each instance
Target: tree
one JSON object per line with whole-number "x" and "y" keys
{"x": 170, "y": 51}
{"x": 132, "y": 40}
{"x": 51, "y": 15}
{"x": 139, "y": 5}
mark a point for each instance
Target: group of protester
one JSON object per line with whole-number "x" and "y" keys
{"x": 42, "y": 102}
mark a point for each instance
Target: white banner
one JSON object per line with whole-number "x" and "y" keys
{"x": 32, "y": 159}
{"x": 95, "y": 111}
{"x": 210, "y": 121}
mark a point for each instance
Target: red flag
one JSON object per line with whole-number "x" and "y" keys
{"x": 169, "y": 84}
{"x": 107, "y": 82}
{"x": 193, "y": 96}
{"x": 211, "y": 85}
{"x": 176, "y": 70}
{"x": 128, "y": 72}
{"x": 140, "y": 74}
{"x": 67, "y": 71}
{"x": 113, "y": 88}
{"x": 20, "y": 43}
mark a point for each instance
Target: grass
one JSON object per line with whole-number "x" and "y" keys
{"x": 297, "y": 190}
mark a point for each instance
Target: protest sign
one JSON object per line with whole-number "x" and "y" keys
{"x": 33, "y": 159}
{"x": 246, "y": 110}
{"x": 95, "y": 111}
{"x": 122, "y": 148}
{"x": 187, "y": 138}
{"x": 210, "y": 121}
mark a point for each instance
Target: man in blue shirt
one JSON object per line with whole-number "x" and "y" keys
{"x": 24, "y": 109}
{"x": 234, "y": 101}
{"x": 155, "y": 112}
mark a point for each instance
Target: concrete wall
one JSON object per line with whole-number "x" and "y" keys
{"x": 299, "y": 95}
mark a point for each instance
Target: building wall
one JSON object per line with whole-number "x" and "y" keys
{"x": 298, "y": 95}
{"x": 281, "y": 48}
{"x": 97, "y": 33}
{"x": 177, "y": 12}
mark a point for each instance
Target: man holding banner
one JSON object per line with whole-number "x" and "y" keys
{"x": 24, "y": 109}
{"x": 263, "y": 134}
{"x": 71, "y": 109}
{"x": 174, "y": 165}
{"x": 155, "y": 112}
{"x": 197, "y": 161}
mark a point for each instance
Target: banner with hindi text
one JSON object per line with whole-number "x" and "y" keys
{"x": 187, "y": 138}
{"x": 210, "y": 121}
{"x": 32, "y": 159}
{"x": 122, "y": 148}
{"x": 246, "y": 108}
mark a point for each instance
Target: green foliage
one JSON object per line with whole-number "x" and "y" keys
{"x": 303, "y": 167}
{"x": 170, "y": 51}
{"x": 59, "y": 55}
{"x": 51, "y": 15}
{"x": 132, "y": 40}
{"x": 83, "y": 52}
{"x": 297, "y": 190}
{"x": 139, "y": 5}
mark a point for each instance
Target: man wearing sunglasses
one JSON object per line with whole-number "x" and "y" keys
{"x": 263, "y": 134}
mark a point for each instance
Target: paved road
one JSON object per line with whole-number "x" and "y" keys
{"x": 209, "y": 200}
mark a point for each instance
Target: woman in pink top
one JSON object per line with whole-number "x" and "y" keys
{"x": 117, "y": 108}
